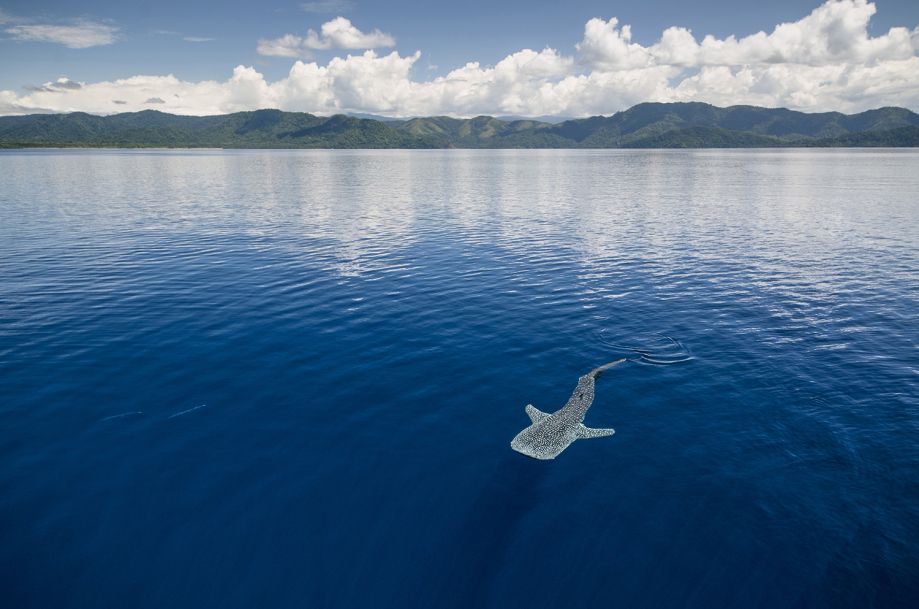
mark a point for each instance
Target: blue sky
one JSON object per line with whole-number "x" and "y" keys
{"x": 197, "y": 41}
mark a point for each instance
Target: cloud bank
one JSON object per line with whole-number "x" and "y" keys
{"x": 824, "y": 61}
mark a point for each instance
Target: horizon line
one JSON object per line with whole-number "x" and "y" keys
{"x": 501, "y": 117}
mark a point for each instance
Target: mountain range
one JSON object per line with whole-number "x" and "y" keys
{"x": 648, "y": 125}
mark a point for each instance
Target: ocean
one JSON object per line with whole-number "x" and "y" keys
{"x": 291, "y": 378}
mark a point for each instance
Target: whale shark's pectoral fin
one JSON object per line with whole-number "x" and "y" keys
{"x": 584, "y": 432}
{"x": 536, "y": 415}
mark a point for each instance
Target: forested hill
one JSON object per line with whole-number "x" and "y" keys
{"x": 650, "y": 125}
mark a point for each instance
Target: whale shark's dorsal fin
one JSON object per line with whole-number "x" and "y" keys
{"x": 585, "y": 432}
{"x": 536, "y": 415}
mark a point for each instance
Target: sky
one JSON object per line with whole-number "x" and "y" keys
{"x": 402, "y": 58}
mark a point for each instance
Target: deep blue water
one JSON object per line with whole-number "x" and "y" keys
{"x": 290, "y": 379}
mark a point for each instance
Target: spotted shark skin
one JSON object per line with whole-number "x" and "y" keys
{"x": 550, "y": 434}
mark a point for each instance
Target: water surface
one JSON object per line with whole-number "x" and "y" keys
{"x": 290, "y": 378}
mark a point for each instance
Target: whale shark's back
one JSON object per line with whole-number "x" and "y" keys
{"x": 582, "y": 396}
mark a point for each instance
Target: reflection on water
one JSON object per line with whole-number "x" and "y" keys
{"x": 365, "y": 328}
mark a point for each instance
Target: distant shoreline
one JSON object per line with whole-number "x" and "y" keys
{"x": 689, "y": 125}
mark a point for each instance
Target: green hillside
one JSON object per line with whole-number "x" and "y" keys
{"x": 650, "y": 125}
{"x": 258, "y": 129}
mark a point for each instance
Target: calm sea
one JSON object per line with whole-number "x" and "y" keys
{"x": 290, "y": 378}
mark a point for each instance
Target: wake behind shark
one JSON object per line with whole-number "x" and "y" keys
{"x": 550, "y": 434}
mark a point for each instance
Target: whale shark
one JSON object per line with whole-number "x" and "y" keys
{"x": 549, "y": 434}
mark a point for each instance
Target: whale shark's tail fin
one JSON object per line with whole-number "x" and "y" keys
{"x": 600, "y": 369}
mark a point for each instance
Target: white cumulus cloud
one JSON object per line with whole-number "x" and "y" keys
{"x": 826, "y": 60}
{"x": 287, "y": 45}
{"x": 834, "y": 33}
{"x": 607, "y": 46}
{"x": 339, "y": 33}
